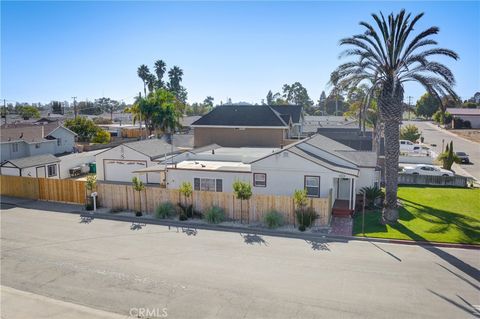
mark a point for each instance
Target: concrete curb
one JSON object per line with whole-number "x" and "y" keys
{"x": 267, "y": 232}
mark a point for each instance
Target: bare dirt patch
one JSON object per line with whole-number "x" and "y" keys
{"x": 472, "y": 135}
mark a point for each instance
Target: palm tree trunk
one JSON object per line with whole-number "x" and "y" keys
{"x": 392, "y": 152}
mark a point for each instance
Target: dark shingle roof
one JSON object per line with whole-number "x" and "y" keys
{"x": 36, "y": 160}
{"x": 241, "y": 115}
{"x": 295, "y": 111}
{"x": 28, "y": 132}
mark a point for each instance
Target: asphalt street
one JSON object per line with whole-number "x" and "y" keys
{"x": 435, "y": 135}
{"x": 55, "y": 266}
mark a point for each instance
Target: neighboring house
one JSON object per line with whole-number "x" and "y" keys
{"x": 317, "y": 164}
{"x": 24, "y": 140}
{"x": 245, "y": 125}
{"x": 296, "y": 114}
{"x": 45, "y": 165}
{"x": 118, "y": 163}
{"x": 471, "y": 115}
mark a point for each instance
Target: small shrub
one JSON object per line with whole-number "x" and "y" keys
{"x": 302, "y": 228}
{"x": 372, "y": 194}
{"x": 214, "y": 215}
{"x": 186, "y": 210}
{"x": 306, "y": 217}
{"x": 165, "y": 210}
{"x": 409, "y": 132}
{"x": 273, "y": 219}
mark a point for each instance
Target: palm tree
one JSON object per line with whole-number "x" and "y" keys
{"x": 388, "y": 56}
{"x": 143, "y": 73}
{"x": 160, "y": 68}
{"x": 175, "y": 74}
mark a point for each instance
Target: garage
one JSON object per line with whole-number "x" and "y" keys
{"x": 121, "y": 170}
{"x": 118, "y": 163}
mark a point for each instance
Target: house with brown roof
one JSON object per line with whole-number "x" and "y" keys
{"x": 470, "y": 115}
{"x": 248, "y": 125}
{"x": 24, "y": 140}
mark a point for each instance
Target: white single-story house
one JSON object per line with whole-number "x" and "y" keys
{"x": 45, "y": 165}
{"x": 118, "y": 163}
{"x": 317, "y": 164}
{"x": 471, "y": 115}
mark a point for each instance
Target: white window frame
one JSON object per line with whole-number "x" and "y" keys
{"x": 259, "y": 183}
{"x": 54, "y": 166}
{"x": 206, "y": 184}
{"x": 306, "y": 178}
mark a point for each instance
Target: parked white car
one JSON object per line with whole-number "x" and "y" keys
{"x": 410, "y": 147}
{"x": 427, "y": 170}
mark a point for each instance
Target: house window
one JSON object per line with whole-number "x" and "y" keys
{"x": 260, "y": 180}
{"x": 37, "y": 145}
{"x": 59, "y": 141}
{"x": 312, "y": 185}
{"x": 15, "y": 147}
{"x": 208, "y": 184}
{"x": 52, "y": 170}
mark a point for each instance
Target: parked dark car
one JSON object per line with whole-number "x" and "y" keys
{"x": 463, "y": 157}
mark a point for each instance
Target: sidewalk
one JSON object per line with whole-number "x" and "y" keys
{"x": 104, "y": 213}
{"x": 21, "y": 304}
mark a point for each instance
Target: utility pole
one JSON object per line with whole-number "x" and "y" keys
{"x": 409, "y": 105}
{"x": 75, "y": 106}
{"x": 5, "y": 111}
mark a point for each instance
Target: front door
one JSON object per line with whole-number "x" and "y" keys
{"x": 343, "y": 188}
{"x": 41, "y": 172}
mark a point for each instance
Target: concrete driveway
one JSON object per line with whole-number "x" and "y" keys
{"x": 435, "y": 135}
{"x": 54, "y": 266}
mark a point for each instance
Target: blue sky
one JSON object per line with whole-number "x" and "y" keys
{"x": 56, "y": 50}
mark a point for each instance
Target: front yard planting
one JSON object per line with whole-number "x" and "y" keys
{"x": 436, "y": 214}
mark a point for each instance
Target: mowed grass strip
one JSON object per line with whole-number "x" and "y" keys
{"x": 437, "y": 214}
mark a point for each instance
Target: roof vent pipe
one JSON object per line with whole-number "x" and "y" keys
{"x": 213, "y": 151}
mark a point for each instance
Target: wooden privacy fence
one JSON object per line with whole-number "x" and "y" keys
{"x": 410, "y": 179}
{"x": 121, "y": 196}
{"x": 58, "y": 190}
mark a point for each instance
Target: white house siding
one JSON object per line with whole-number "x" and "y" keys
{"x": 6, "y": 151}
{"x": 118, "y": 163}
{"x": 10, "y": 171}
{"x": 285, "y": 174}
{"x": 32, "y": 171}
{"x": 366, "y": 178}
{"x": 46, "y": 147}
{"x": 67, "y": 140}
{"x": 75, "y": 160}
{"x": 175, "y": 177}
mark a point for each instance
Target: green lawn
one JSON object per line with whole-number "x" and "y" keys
{"x": 450, "y": 215}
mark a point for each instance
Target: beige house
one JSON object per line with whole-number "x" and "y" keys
{"x": 248, "y": 125}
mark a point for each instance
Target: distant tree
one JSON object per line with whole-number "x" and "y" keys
{"x": 469, "y": 105}
{"x": 57, "y": 107}
{"x": 84, "y": 128}
{"x": 89, "y": 108}
{"x": 208, "y": 102}
{"x": 322, "y": 101}
{"x": 441, "y": 118}
{"x": 101, "y": 137}
{"x": 269, "y": 97}
{"x": 143, "y": 73}
{"x": 175, "y": 75}
{"x": 28, "y": 112}
{"x": 296, "y": 94}
{"x": 160, "y": 68}
{"x": 108, "y": 105}
{"x": 427, "y": 105}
